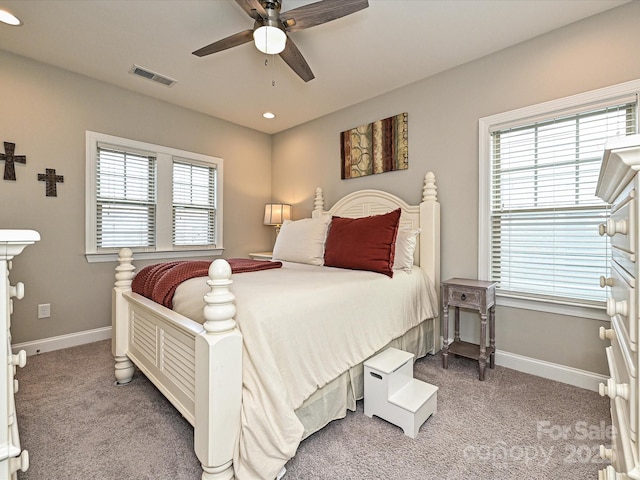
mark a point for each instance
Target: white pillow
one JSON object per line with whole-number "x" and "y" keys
{"x": 302, "y": 241}
{"x": 405, "y": 248}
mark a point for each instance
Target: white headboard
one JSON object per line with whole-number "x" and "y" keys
{"x": 425, "y": 216}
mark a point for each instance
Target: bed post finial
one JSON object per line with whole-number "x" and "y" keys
{"x": 318, "y": 203}
{"x": 429, "y": 193}
{"x": 125, "y": 268}
{"x": 220, "y": 308}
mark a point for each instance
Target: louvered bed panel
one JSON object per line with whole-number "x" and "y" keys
{"x": 167, "y": 354}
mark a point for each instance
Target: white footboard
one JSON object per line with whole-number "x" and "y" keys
{"x": 197, "y": 367}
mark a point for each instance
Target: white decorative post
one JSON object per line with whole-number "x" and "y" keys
{"x": 430, "y": 244}
{"x": 120, "y": 317}
{"x": 429, "y": 192}
{"x": 218, "y": 378}
{"x": 318, "y": 204}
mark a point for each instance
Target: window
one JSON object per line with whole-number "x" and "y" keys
{"x": 539, "y": 213}
{"x": 156, "y": 200}
{"x": 125, "y": 198}
{"x": 194, "y": 211}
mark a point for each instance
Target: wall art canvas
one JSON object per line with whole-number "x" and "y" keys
{"x": 378, "y": 147}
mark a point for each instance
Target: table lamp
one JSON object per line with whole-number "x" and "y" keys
{"x": 276, "y": 213}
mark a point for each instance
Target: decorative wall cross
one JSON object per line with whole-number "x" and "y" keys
{"x": 10, "y": 159}
{"x": 52, "y": 180}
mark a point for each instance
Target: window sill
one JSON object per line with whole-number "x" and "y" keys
{"x": 572, "y": 310}
{"x": 163, "y": 255}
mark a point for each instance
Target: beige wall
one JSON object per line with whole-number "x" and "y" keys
{"x": 45, "y": 111}
{"x": 443, "y": 137}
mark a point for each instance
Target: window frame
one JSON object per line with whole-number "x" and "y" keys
{"x": 165, "y": 157}
{"x": 532, "y": 113}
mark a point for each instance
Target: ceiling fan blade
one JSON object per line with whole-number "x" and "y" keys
{"x": 292, "y": 57}
{"x": 232, "y": 41}
{"x": 253, "y": 8}
{"x": 320, "y": 12}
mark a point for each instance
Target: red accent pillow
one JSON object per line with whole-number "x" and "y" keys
{"x": 366, "y": 243}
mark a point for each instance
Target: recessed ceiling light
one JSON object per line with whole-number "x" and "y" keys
{"x": 269, "y": 115}
{"x": 9, "y": 18}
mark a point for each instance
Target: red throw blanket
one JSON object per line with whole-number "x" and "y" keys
{"x": 159, "y": 282}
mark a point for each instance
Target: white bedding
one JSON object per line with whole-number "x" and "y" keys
{"x": 302, "y": 327}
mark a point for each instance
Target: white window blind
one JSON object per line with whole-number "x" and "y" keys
{"x": 160, "y": 202}
{"x": 125, "y": 198}
{"x": 194, "y": 208}
{"x": 544, "y": 214}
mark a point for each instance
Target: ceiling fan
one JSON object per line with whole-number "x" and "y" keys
{"x": 271, "y": 27}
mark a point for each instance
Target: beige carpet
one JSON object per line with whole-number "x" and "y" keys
{"x": 77, "y": 425}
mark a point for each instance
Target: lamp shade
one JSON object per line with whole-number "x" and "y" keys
{"x": 269, "y": 39}
{"x": 276, "y": 213}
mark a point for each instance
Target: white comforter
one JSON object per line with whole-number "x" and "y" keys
{"x": 302, "y": 327}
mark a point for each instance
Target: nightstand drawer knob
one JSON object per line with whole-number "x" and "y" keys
{"x": 17, "y": 290}
{"x": 614, "y": 308}
{"x": 463, "y": 297}
{"x": 606, "y": 333}
{"x": 607, "y": 453}
{"x": 613, "y": 390}
{"x": 606, "y": 281}
{"x": 19, "y": 463}
{"x": 20, "y": 359}
{"x": 612, "y": 227}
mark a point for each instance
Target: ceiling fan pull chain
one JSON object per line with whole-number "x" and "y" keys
{"x": 273, "y": 75}
{"x": 273, "y": 71}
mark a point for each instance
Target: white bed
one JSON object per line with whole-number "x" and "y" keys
{"x": 251, "y": 400}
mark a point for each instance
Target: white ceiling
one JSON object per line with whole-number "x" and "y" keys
{"x": 386, "y": 46}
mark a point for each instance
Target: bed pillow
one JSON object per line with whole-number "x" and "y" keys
{"x": 302, "y": 241}
{"x": 405, "y": 249}
{"x": 366, "y": 243}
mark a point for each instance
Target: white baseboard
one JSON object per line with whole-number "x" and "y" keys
{"x": 63, "y": 341}
{"x": 552, "y": 371}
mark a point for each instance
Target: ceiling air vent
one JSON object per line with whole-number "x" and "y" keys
{"x": 156, "y": 77}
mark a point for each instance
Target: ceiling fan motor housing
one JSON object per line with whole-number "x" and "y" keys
{"x": 273, "y": 15}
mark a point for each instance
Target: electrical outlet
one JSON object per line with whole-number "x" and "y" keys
{"x": 44, "y": 310}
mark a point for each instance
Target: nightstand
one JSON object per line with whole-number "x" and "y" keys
{"x": 476, "y": 295}
{"x": 261, "y": 255}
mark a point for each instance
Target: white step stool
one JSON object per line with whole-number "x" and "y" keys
{"x": 391, "y": 392}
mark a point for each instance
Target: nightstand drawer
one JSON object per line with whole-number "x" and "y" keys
{"x": 622, "y": 223}
{"x": 620, "y": 389}
{"x": 462, "y": 297}
{"x": 621, "y": 443}
{"x": 624, "y": 259}
{"x": 466, "y": 293}
{"x": 621, "y": 303}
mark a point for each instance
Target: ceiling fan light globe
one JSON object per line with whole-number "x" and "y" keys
{"x": 9, "y": 18}
{"x": 269, "y": 40}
